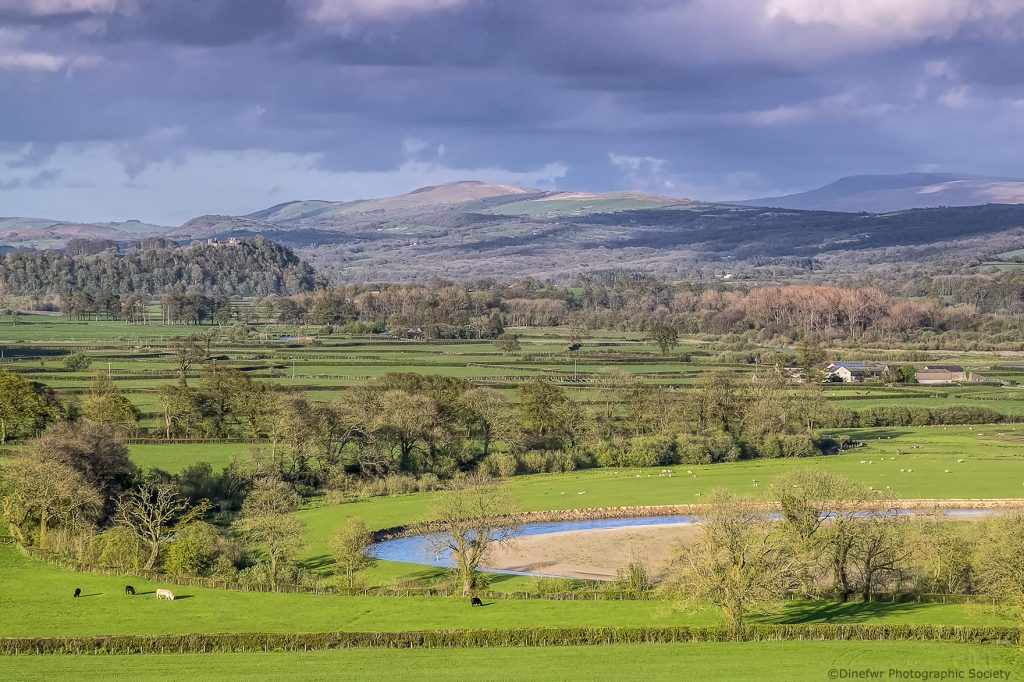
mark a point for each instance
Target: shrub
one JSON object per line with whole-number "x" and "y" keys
{"x": 708, "y": 448}
{"x": 77, "y": 362}
{"x": 505, "y": 464}
{"x": 119, "y": 547}
{"x": 535, "y": 461}
{"x": 193, "y": 551}
{"x": 650, "y": 451}
{"x": 965, "y": 414}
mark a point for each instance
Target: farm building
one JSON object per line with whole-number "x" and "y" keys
{"x": 852, "y": 372}
{"x": 934, "y": 375}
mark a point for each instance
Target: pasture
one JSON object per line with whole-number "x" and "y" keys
{"x": 138, "y": 359}
{"x": 37, "y": 602}
{"x": 725, "y": 661}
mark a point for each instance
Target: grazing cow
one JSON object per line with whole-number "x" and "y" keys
{"x": 129, "y": 589}
{"x": 78, "y": 592}
{"x": 164, "y": 594}
{"x": 475, "y": 601}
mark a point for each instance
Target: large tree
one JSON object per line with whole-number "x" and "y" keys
{"x": 491, "y": 418}
{"x": 152, "y": 512}
{"x": 106, "y": 405}
{"x": 45, "y": 492}
{"x": 267, "y": 526}
{"x": 999, "y": 562}
{"x": 666, "y": 336}
{"x": 25, "y": 407}
{"x": 95, "y": 451}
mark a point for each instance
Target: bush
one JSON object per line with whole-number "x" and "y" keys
{"x": 650, "y": 451}
{"x": 77, "y": 362}
{"x": 535, "y": 462}
{"x": 119, "y": 547}
{"x": 505, "y": 464}
{"x": 708, "y": 448}
{"x": 965, "y": 414}
{"x": 194, "y": 550}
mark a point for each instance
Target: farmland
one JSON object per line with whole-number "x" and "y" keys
{"x": 951, "y": 461}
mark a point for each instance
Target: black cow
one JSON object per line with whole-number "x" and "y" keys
{"x": 128, "y": 589}
{"x": 78, "y": 592}
{"x": 475, "y": 601}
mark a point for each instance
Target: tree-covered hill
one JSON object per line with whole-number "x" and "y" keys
{"x": 250, "y": 267}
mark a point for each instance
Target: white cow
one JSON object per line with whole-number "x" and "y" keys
{"x": 164, "y": 594}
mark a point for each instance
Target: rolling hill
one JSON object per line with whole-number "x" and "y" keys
{"x": 469, "y": 230}
{"x": 886, "y": 193}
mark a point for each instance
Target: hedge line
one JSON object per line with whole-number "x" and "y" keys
{"x": 515, "y": 637}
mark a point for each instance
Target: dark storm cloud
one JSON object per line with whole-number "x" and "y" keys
{"x": 714, "y": 97}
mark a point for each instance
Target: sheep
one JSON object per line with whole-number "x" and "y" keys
{"x": 164, "y": 594}
{"x": 78, "y": 592}
{"x": 129, "y": 589}
{"x": 475, "y": 601}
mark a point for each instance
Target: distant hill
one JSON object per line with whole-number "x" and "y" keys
{"x": 44, "y": 233}
{"x": 886, "y": 193}
{"x": 467, "y": 230}
{"x": 514, "y": 232}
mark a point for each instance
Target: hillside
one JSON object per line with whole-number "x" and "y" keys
{"x": 44, "y": 233}
{"x": 559, "y": 234}
{"x": 886, "y": 193}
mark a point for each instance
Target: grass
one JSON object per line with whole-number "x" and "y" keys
{"x": 768, "y": 661}
{"x": 36, "y": 601}
{"x": 174, "y": 457}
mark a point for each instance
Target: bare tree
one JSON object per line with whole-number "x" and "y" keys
{"x": 739, "y": 561}
{"x": 187, "y": 352}
{"x": 349, "y": 546}
{"x": 473, "y": 519}
{"x": 267, "y": 526}
{"x": 153, "y": 511}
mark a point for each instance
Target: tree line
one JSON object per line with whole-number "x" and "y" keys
{"x": 793, "y": 312}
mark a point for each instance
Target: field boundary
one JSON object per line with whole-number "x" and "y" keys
{"x": 512, "y": 637}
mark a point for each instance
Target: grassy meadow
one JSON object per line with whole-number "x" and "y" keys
{"x": 726, "y": 661}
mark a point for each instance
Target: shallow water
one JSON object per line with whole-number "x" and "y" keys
{"x": 421, "y": 549}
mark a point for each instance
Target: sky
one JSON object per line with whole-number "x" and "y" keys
{"x": 162, "y": 110}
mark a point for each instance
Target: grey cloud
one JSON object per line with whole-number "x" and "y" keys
{"x": 723, "y": 96}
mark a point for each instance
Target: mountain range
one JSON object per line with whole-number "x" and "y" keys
{"x": 474, "y": 229}
{"x": 886, "y": 193}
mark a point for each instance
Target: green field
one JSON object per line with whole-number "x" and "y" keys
{"x": 137, "y": 358}
{"x": 174, "y": 457}
{"x": 767, "y": 661}
{"x": 36, "y": 601}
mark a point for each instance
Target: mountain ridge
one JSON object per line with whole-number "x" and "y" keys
{"x": 876, "y": 193}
